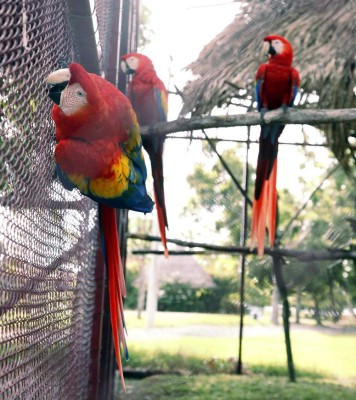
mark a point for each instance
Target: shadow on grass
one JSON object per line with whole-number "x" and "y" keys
{"x": 228, "y": 387}
{"x": 181, "y": 377}
{"x": 143, "y": 364}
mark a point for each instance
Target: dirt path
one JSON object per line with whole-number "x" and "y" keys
{"x": 225, "y": 331}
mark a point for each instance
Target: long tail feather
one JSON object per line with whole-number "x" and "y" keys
{"x": 264, "y": 208}
{"x": 162, "y": 225}
{"x": 272, "y": 204}
{"x": 156, "y": 157}
{"x": 117, "y": 288}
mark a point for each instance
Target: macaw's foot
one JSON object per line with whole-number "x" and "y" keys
{"x": 284, "y": 108}
{"x": 263, "y": 112}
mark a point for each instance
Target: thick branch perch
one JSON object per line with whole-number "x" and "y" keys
{"x": 292, "y": 116}
{"x": 301, "y": 255}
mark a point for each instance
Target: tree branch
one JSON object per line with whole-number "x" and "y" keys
{"x": 291, "y": 116}
{"x": 216, "y": 140}
{"x": 296, "y": 215}
{"x": 228, "y": 169}
{"x": 301, "y": 255}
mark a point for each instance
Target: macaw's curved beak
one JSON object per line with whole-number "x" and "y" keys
{"x": 57, "y": 81}
{"x": 268, "y": 49}
{"x": 272, "y": 50}
{"x": 125, "y": 68}
{"x": 55, "y": 91}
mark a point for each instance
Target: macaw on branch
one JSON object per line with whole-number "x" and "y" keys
{"x": 149, "y": 96}
{"x": 99, "y": 152}
{"x": 277, "y": 84}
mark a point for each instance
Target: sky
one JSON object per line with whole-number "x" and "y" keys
{"x": 181, "y": 30}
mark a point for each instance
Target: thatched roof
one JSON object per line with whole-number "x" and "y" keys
{"x": 322, "y": 33}
{"x": 182, "y": 269}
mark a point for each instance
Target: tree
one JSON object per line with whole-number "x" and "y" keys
{"x": 145, "y": 31}
{"x": 216, "y": 193}
{"x": 330, "y": 286}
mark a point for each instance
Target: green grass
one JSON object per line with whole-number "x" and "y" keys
{"x": 169, "y": 319}
{"x": 175, "y": 319}
{"x": 315, "y": 354}
{"x": 325, "y": 363}
{"x": 227, "y": 387}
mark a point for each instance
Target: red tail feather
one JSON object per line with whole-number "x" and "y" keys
{"x": 272, "y": 204}
{"x": 117, "y": 288}
{"x": 264, "y": 212}
{"x": 161, "y": 225}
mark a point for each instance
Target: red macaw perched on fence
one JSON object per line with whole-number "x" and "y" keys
{"x": 149, "y": 97}
{"x": 99, "y": 152}
{"x": 277, "y": 84}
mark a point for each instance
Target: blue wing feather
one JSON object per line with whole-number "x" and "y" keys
{"x": 161, "y": 103}
{"x": 294, "y": 95}
{"x": 257, "y": 94}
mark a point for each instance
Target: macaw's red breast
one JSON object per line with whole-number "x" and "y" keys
{"x": 149, "y": 98}
{"x": 277, "y": 85}
{"x": 76, "y": 157}
{"x": 143, "y": 101}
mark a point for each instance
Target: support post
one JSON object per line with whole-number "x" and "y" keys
{"x": 277, "y": 267}
{"x": 239, "y": 369}
{"x": 152, "y": 289}
{"x": 97, "y": 324}
{"x": 275, "y": 303}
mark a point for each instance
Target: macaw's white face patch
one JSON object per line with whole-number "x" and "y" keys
{"x": 278, "y": 46}
{"x": 133, "y": 63}
{"x": 73, "y": 98}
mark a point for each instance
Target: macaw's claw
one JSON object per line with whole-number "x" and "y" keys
{"x": 284, "y": 108}
{"x": 263, "y": 113}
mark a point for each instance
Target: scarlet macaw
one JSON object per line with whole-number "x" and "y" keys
{"x": 99, "y": 152}
{"x": 277, "y": 84}
{"x": 149, "y": 97}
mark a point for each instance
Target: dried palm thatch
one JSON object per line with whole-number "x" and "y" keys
{"x": 323, "y": 35}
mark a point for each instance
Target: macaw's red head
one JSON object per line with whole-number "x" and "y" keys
{"x": 278, "y": 48}
{"x": 77, "y": 99}
{"x": 135, "y": 63}
{"x": 74, "y": 90}
{"x": 81, "y": 93}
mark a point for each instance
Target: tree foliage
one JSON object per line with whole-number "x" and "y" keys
{"x": 328, "y": 287}
{"x": 145, "y": 30}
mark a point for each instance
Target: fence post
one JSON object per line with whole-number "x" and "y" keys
{"x": 97, "y": 325}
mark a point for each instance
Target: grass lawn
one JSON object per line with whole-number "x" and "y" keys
{"x": 175, "y": 319}
{"x": 324, "y": 361}
{"x": 228, "y": 387}
{"x": 314, "y": 354}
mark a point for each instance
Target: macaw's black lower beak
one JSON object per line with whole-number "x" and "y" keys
{"x": 272, "y": 50}
{"x": 55, "y": 91}
{"x": 130, "y": 71}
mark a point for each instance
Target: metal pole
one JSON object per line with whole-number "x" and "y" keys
{"x": 97, "y": 327}
{"x": 277, "y": 266}
{"x": 126, "y": 31}
{"x": 283, "y": 291}
{"x": 118, "y": 39}
{"x": 243, "y": 257}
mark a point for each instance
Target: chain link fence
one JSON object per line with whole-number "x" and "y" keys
{"x": 48, "y": 236}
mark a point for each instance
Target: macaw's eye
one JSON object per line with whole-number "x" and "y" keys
{"x": 80, "y": 93}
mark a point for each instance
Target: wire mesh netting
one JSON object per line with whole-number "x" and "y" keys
{"x": 47, "y": 235}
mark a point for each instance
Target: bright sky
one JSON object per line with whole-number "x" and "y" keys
{"x": 181, "y": 29}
